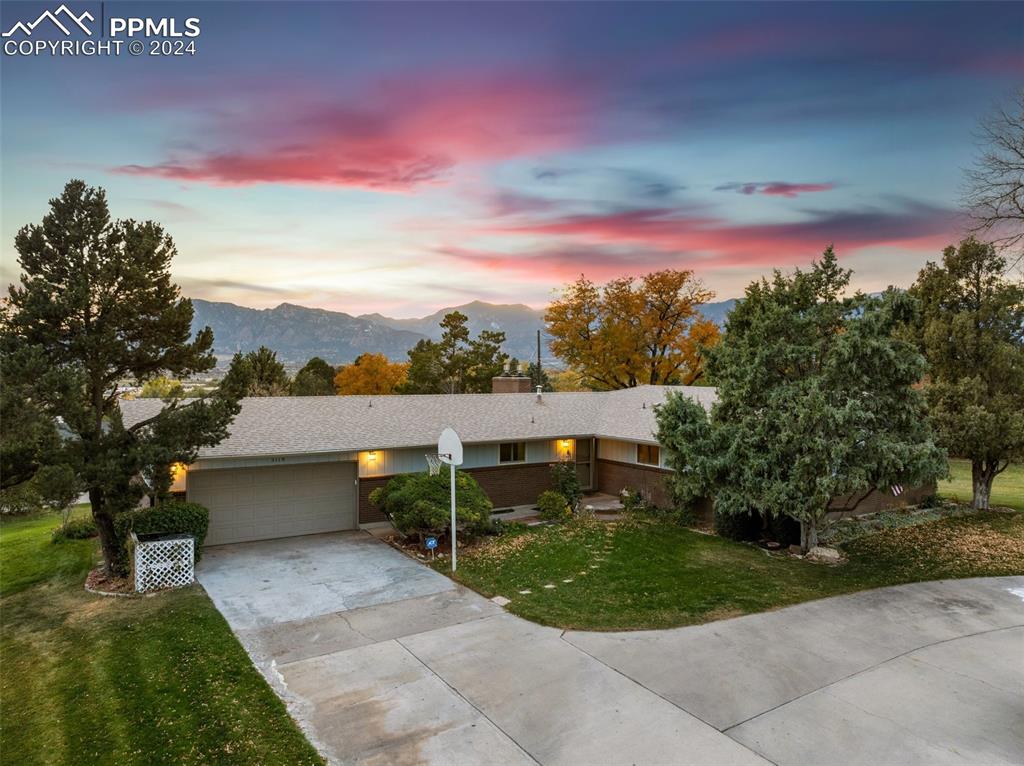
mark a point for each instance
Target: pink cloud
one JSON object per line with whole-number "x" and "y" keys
{"x": 394, "y": 139}
{"x": 716, "y": 242}
{"x": 776, "y": 188}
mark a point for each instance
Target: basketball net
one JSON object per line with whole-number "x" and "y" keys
{"x": 433, "y": 464}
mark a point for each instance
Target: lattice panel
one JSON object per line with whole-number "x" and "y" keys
{"x": 164, "y": 564}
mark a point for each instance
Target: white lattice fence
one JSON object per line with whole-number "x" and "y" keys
{"x": 168, "y": 562}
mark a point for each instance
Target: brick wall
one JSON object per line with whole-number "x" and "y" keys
{"x": 613, "y": 477}
{"x": 505, "y": 485}
{"x": 511, "y": 385}
{"x": 513, "y": 484}
{"x": 368, "y": 512}
{"x": 858, "y": 503}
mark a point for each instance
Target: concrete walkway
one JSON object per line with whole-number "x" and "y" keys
{"x": 412, "y": 668}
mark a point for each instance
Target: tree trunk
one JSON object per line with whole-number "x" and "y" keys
{"x": 981, "y": 479}
{"x": 105, "y": 526}
{"x": 808, "y": 535}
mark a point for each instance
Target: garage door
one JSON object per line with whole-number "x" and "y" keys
{"x": 278, "y": 501}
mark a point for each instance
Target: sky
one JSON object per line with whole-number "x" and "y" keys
{"x": 407, "y": 157}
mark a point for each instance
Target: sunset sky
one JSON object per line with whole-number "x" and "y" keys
{"x": 405, "y": 157}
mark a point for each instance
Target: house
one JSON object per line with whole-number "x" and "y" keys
{"x": 304, "y": 465}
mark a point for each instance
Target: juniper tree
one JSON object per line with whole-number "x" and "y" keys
{"x": 816, "y": 398}
{"x": 96, "y": 306}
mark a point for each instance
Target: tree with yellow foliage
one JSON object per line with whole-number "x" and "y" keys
{"x": 370, "y": 374}
{"x": 633, "y": 332}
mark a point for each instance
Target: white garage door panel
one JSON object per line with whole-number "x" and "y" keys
{"x": 279, "y": 501}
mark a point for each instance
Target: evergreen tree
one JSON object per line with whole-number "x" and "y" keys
{"x": 816, "y": 398}
{"x": 457, "y": 363}
{"x": 258, "y": 373}
{"x": 96, "y": 305}
{"x": 316, "y": 378}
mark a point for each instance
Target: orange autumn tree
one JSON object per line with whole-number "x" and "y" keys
{"x": 370, "y": 374}
{"x": 631, "y": 331}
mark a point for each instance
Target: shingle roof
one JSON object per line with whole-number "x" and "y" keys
{"x": 288, "y": 425}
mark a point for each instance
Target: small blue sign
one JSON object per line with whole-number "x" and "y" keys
{"x": 431, "y": 543}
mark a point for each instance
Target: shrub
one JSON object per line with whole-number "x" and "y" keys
{"x": 553, "y": 506}
{"x": 419, "y": 504}
{"x": 170, "y": 518}
{"x": 738, "y": 526}
{"x": 75, "y": 529}
{"x": 567, "y": 484}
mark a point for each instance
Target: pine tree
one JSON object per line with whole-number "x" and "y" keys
{"x": 96, "y": 306}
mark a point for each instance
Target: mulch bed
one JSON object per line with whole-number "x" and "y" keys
{"x": 99, "y": 582}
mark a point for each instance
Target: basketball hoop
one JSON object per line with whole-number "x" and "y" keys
{"x": 433, "y": 464}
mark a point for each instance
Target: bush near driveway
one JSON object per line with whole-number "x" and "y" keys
{"x": 88, "y": 679}
{"x": 420, "y": 504}
{"x": 170, "y": 518}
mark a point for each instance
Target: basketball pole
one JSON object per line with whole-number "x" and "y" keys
{"x": 454, "y": 554}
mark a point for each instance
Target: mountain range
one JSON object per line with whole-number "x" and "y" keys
{"x": 297, "y": 333}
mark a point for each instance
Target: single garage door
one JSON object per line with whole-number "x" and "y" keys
{"x": 275, "y": 501}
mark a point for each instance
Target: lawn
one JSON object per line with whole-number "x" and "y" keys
{"x": 638, "y": 574}
{"x": 92, "y": 679}
{"x": 1007, "y": 489}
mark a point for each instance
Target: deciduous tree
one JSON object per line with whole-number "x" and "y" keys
{"x": 816, "y": 398}
{"x": 627, "y": 334}
{"x": 971, "y": 329}
{"x": 370, "y": 374}
{"x": 96, "y": 304}
{"x": 162, "y": 387}
{"x": 995, "y": 185}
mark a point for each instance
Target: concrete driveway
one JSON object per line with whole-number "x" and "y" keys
{"x": 382, "y": 660}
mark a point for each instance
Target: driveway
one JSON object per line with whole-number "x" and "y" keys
{"x": 382, "y": 660}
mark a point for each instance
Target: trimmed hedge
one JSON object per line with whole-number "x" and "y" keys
{"x": 171, "y": 518}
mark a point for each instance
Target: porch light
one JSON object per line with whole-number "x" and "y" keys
{"x": 371, "y": 456}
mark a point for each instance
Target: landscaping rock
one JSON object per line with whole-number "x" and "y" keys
{"x": 827, "y": 555}
{"x": 501, "y": 601}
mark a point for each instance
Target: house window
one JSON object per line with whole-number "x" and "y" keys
{"x": 648, "y": 454}
{"x": 512, "y": 452}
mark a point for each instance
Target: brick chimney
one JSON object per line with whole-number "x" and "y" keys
{"x": 511, "y": 384}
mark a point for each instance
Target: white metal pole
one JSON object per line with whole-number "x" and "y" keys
{"x": 454, "y": 555}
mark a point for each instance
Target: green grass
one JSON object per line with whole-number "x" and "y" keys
{"x": 1007, "y": 489}
{"x": 100, "y": 680}
{"x": 635, "y": 575}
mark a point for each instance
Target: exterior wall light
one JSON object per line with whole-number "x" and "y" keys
{"x": 372, "y": 456}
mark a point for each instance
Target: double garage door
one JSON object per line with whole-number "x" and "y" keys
{"x": 276, "y": 501}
